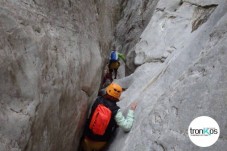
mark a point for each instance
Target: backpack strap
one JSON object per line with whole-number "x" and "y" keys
{"x": 111, "y": 105}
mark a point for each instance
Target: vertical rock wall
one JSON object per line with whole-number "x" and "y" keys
{"x": 51, "y": 58}
{"x": 181, "y": 75}
{"x": 135, "y": 15}
{"x": 50, "y": 67}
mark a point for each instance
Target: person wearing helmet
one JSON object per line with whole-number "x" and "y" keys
{"x": 105, "y": 117}
{"x": 114, "y": 62}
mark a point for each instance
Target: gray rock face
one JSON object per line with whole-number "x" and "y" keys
{"x": 51, "y": 58}
{"x": 181, "y": 75}
{"x": 134, "y": 18}
{"x": 50, "y": 67}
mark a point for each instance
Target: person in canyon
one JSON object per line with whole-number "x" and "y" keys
{"x": 104, "y": 119}
{"x": 114, "y": 63}
{"x": 107, "y": 79}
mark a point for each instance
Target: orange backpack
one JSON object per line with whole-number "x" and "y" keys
{"x": 100, "y": 119}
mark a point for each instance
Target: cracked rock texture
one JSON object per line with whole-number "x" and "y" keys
{"x": 52, "y": 53}
{"x": 135, "y": 15}
{"x": 181, "y": 74}
{"x": 50, "y": 67}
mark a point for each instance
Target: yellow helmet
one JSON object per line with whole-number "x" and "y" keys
{"x": 114, "y": 90}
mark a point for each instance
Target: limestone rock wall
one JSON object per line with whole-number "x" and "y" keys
{"x": 181, "y": 75}
{"x": 135, "y": 15}
{"x": 51, "y": 58}
{"x": 52, "y": 53}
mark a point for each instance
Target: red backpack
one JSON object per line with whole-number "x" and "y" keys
{"x": 100, "y": 119}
